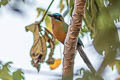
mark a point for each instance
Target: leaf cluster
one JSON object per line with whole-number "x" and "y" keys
{"x": 7, "y": 74}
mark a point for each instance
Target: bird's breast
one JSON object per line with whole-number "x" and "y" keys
{"x": 59, "y": 33}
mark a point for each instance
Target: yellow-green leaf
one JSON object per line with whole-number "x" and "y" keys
{"x": 18, "y": 75}
{"x": 61, "y": 5}
{"x": 4, "y": 2}
{"x": 39, "y": 11}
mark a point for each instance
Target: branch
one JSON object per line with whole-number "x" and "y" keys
{"x": 71, "y": 39}
{"x": 45, "y": 12}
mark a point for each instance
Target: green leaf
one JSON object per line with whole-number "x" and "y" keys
{"x": 4, "y": 72}
{"x": 118, "y": 66}
{"x": 89, "y": 76}
{"x": 99, "y": 21}
{"x": 71, "y": 3}
{"x": 84, "y": 30}
{"x": 90, "y": 16}
{"x": 101, "y": 24}
{"x": 48, "y": 23}
{"x": 67, "y": 2}
{"x": 18, "y": 75}
{"x": 106, "y": 35}
{"x": 71, "y": 10}
{"x": 61, "y": 5}
{"x": 114, "y": 9}
{"x": 40, "y": 10}
{"x": 117, "y": 63}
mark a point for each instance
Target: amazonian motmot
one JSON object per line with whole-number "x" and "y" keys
{"x": 60, "y": 28}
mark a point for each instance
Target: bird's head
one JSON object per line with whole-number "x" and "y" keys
{"x": 56, "y": 16}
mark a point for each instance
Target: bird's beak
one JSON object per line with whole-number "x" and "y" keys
{"x": 50, "y": 15}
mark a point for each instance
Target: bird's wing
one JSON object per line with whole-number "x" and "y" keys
{"x": 66, "y": 27}
{"x": 80, "y": 42}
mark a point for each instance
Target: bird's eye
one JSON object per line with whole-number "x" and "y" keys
{"x": 57, "y": 18}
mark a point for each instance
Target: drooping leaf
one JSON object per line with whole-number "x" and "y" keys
{"x": 90, "y": 16}
{"x": 39, "y": 49}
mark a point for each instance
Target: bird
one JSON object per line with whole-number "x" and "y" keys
{"x": 60, "y": 29}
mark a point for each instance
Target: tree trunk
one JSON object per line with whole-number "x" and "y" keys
{"x": 70, "y": 44}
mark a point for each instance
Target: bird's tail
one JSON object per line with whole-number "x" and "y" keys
{"x": 85, "y": 58}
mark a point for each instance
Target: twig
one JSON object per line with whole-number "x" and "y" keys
{"x": 46, "y": 12}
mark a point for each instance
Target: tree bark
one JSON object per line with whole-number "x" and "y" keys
{"x": 70, "y": 44}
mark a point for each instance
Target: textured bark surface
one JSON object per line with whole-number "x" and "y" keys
{"x": 70, "y": 44}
